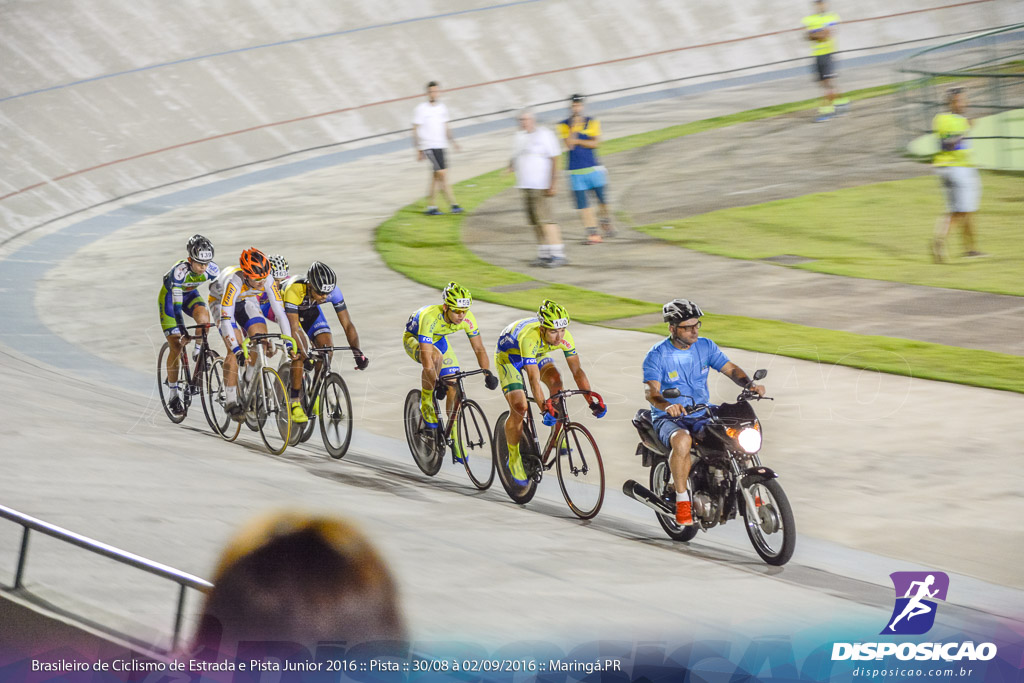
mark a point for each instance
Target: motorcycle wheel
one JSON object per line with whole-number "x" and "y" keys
{"x": 660, "y": 477}
{"x": 772, "y": 527}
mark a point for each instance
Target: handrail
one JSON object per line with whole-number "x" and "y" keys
{"x": 973, "y": 36}
{"x": 183, "y": 579}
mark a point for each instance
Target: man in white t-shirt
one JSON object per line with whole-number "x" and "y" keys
{"x": 430, "y": 136}
{"x": 535, "y": 162}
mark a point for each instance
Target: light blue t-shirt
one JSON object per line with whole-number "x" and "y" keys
{"x": 684, "y": 370}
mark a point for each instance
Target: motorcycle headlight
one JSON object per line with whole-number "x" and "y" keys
{"x": 749, "y": 439}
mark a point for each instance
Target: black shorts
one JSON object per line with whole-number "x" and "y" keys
{"x": 825, "y": 66}
{"x": 437, "y": 158}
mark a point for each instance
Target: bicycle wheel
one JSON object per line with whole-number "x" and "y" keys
{"x": 335, "y": 416}
{"x": 475, "y": 444}
{"x": 424, "y": 443}
{"x": 272, "y": 414}
{"x": 580, "y": 471}
{"x": 161, "y": 382}
{"x": 214, "y": 397}
{"x": 518, "y": 494}
{"x": 312, "y": 410}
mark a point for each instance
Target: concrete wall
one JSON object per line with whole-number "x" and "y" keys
{"x": 99, "y": 99}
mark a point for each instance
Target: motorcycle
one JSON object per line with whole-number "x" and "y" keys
{"x": 726, "y": 478}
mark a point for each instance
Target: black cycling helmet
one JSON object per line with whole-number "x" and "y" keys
{"x": 678, "y": 310}
{"x": 199, "y": 249}
{"x": 321, "y": 278}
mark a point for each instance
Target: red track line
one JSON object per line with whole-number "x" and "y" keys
{"x": 467, "y": 87}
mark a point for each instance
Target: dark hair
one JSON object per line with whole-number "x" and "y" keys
{"x": 953, "y": 92}
{"x": 576, "y": 98}
{"x": 432, "y": 84}
{"x": 300, "y": 580}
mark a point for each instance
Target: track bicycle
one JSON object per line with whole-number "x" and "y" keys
{"x": 326, "y": 400}
{"x": 570, "y": 448}
{"x": 467, "y": 433}
{"x": 208, "y": 373}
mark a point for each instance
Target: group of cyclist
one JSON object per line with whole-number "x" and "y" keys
{"x": 260, "y": 288}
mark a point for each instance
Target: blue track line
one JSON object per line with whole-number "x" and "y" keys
{"x": 332, "y": 34}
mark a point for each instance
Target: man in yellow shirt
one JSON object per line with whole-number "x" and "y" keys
{"x": 959, "y": 177}
{"x": 821, "y": 31}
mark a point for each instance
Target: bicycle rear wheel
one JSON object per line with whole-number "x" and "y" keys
{"x": 272, "y": 413}
{"x": 476, "y": 444}
{"x": 518, "y": 494}
{"x": 424, "y": 443}
{"x": 161, "y": 381}
{"x": 214, "y": 398}
{"x": 335, "y": 416}
{"x": 580, "y": 471}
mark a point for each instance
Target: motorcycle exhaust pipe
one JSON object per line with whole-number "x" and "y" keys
{"x": 642, "y": 494}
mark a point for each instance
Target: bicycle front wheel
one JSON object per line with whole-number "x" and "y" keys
{"x": 580, "y": 471}
{"x": 335, "y": 416}
{"x": 475, "y": 444}
{"x": 272, "y": 414}
{"x": 161, "y": 381}
{"x": 424, "y": 443}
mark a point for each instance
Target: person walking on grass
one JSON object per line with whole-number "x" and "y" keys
{"x": 960, "y": 179}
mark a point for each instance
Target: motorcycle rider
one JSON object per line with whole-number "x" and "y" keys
{"x": 681, "y": 362}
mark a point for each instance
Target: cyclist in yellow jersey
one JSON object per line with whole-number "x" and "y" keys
{"x": 960, "y": 179}
{"x": 523, "y": 347}
{"x": 425, "y": 341}
{"x": 821, "y": 31}
{"x": 303, "y": 298}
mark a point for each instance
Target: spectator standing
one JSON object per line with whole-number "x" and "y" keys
{"x": 582, "y": 136}
{"x": 535, "y": 162}
{"x": 960, "y": 179}
{"x": 430, "y": 136}
{"x": 821, "y": 31}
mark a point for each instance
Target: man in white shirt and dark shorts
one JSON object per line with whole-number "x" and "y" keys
{"x": 535, "y": 162}
{"x": 430, "y": 136}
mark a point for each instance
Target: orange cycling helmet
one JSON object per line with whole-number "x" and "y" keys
{"x": 254, "y": 263}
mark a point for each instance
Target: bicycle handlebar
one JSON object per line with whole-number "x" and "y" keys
{"x": 331, "y": 349}
{"x": 261, "y": 337}
{"x": 565, "y": 393}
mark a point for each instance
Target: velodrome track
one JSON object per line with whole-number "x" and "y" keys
{"x": 865, "y": 458}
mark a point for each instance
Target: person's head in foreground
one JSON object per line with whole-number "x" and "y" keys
{"x": 300, "y": 580}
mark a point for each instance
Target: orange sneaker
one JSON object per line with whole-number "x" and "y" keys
{"x": 684, "y": 515}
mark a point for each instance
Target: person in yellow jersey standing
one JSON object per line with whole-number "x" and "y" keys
{"x": 821, "y": 31}
{"x": 960, "y": 179}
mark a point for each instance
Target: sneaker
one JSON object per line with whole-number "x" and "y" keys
{"x": 434, "y": 211}
{"x": 824, "y": 117}
{"x": 684, "y": 515}
{"x": 938, "y": 251}
{"x": 592, "y": 237}
{"x": 176, "y": 407}
{"x": 515, "y": 468}
{"x": 976, "y": 254}
{"x": 298, "y": 414}
{"x": 557, "y": 262}
{"x": 541, "y": 262}
{"x": 457, "y": 209}
{"x": 234, "y": 411}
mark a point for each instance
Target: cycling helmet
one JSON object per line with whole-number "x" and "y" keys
{"x": 552, "y": 315}
{"x": 278, "y": 266}
{"x": 678, "y": 310}
{"x": 199, "y": 249}
{"x": 254, "y": 263}
{"x": 456, "y": 296}
{"x": 321, "y": 278}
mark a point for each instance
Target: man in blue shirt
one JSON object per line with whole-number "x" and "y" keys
{"x": 682, "y": 362}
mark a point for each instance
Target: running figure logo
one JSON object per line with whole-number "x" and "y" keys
{"x": 916, "y": 592}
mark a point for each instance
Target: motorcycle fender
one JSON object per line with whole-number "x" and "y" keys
{"x": 646, "y": 455}
{"x": 756, "y": 475}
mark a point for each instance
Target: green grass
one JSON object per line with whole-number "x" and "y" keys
{"x": 879, "y": 232}
{"x": 429, "y": 250}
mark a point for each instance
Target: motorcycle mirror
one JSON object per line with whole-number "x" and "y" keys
{"x": 760, "y": 374}
{"x": 670, "y": 393}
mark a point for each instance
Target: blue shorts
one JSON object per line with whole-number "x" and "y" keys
{"x": 667, "y": 426}
{"x": 313, "y": 322}
{"x": 595, "y": 181}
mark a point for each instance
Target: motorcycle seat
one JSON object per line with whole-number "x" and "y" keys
{"x": 648, "y": 434}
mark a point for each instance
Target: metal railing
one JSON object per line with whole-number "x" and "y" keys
{"x": 184, "y": 580}
{"x": 990, "y": 65}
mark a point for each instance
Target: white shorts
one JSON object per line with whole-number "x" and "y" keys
{"x": 963, "y": 188}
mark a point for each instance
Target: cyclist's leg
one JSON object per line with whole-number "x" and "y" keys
{"x": 173, "y": 335}
{"x": 549, "y": 375}
{"x": 434, "y": 359}
{"x": 513, "y": 388}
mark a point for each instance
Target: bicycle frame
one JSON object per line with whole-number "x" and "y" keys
{"x": 261, "y": 362}
{"x": 548, "y": 456}
{"x": 322, "y": 370}
{"x": 446, "y": 423}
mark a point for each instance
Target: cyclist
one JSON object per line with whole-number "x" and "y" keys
{"x": 303, "y": 298}
{"x": 279, "y": 271}
{"x": 179, "y": 295}
{"x": 425, "y": 341}
{"x": 236, "y": 297}
{"x": 681, "y": 362}
{"x": 526, "y": 343}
